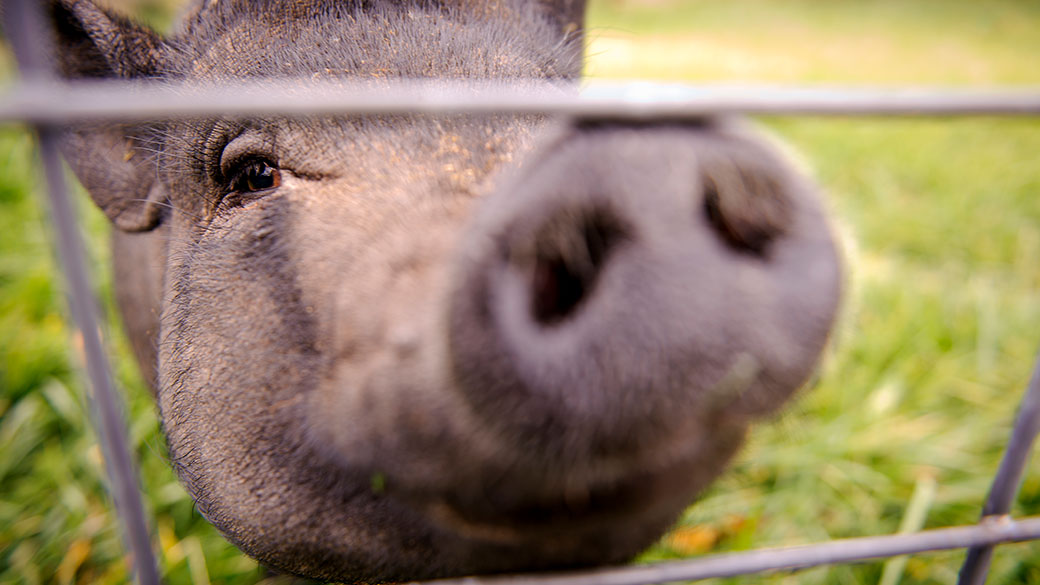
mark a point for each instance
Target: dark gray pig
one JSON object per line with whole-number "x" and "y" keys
{"x": 402, "y": 347}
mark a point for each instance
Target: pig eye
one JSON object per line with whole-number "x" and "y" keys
{"x": 255, "y": 175}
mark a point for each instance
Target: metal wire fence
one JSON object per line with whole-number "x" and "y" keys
{"x": 47, "y": 104}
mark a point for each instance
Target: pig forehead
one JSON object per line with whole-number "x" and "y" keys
{"x": 412, "y": 43}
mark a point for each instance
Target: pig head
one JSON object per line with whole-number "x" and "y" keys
{"x": 402, "y": 347}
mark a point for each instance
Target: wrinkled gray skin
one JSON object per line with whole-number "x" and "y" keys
{"x": 442, "y": 346}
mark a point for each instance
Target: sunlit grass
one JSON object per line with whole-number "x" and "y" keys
{"x": 809, "y": 41}
{"x": 940, "y": 326}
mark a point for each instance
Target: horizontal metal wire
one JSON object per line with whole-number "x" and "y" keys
{"x": 54, "y": 103}
{"x": 990, "y": 531}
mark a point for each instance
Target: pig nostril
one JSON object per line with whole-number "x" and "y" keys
{"x": 569, "y": 259}
{"x": 748, "y": 216}
{"x": 556, "y": 290}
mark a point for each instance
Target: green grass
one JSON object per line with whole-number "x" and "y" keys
{"x": 808, "y": 41}
{"x": 940, "y": 327}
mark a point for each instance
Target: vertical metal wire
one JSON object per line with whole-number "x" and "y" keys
{"x": 1008, "y": 479}
{"x": 23, "y": 24}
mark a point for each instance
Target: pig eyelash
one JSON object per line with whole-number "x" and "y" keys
{"x": 250, "y": 178}
{"x": 256, "y": 175}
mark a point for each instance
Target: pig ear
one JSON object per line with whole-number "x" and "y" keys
{"x": 109, "y": 159}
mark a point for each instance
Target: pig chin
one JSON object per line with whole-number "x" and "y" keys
{"x": 561, "y": 507}
{"x": 452, "y": 435}
{"x": 570, "y": 505}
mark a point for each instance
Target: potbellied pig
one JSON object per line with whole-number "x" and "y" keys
{"x": 408, "y": 346}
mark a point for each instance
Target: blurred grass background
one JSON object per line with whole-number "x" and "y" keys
{"x": 942, "y": 226}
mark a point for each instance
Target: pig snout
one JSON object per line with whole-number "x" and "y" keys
{"x": 619, "y": 310}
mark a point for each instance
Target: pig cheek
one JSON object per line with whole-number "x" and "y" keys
{"x": 235, "y": 353}
{"x": 384, "y": 404}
